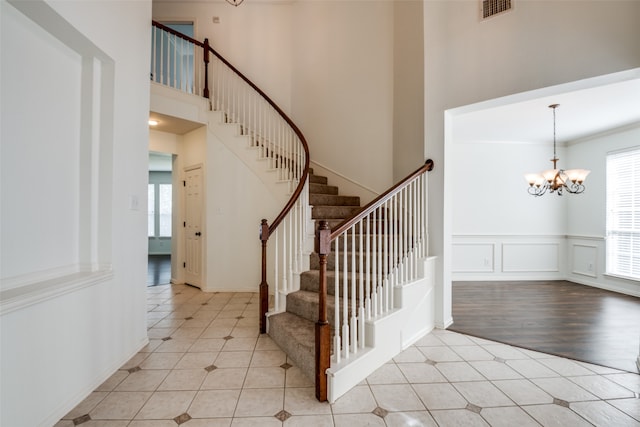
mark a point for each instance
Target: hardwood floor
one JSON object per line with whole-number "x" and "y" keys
{"x": 557, "y": 317}
{"x": 159, "y": 270}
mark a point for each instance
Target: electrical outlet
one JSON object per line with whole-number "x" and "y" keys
{"x": 486, "y": 262}
{"x": 590, "y": 266}
{"x": 216, "y": 19}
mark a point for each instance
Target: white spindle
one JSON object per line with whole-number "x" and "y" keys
{"x": 374, "y": 265}
{"x": 379, "y": 231}
{"x": 275, "y": 260}
{"x": 387, "y": 281}
{"x": 354, "y": 328}
{"x": 336, "y": 310}
{"x": 361, "y": 313}
{"x": 344, "y": 300}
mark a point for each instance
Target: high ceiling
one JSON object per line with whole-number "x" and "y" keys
{"x": 582, "y": 112}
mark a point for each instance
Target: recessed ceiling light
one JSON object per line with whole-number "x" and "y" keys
{"x": 153, "y": 122}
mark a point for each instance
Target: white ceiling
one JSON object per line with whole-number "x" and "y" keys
{"x": 171, "y": 124}
{"x": 582, "y": 112}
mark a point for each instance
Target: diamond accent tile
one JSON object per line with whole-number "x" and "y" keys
{"x": 240, "y": 317}
{"x": 473, "y": 408}
{"x": 227, "y": 338}
{"x": 134, "y": 369}
{"x": 560, "y": 402}
{"x": 166, "y": 338}
{"x": 431, "y": 362}
{"x": 81, "y": 420}
{"x": 499, "y": 359}
{"x": 381, "y": 412}
{"x": 286, "y": 366}
{"x": 182, "y": 418}
{"x": 283, "y": 415}
{"x": 210, "y": 368}
{"x": 188, "y": 318}
{"x": 205, "y": 303}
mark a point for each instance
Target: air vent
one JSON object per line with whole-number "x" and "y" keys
{"x": 494, "y": 7}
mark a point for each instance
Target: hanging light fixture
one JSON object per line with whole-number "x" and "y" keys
{"x": 556, "y": 180}
{"x": 235, "y": 2}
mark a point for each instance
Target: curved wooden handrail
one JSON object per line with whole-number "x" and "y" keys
{"x": 296, "y": 130}
{"x": 176, "y": 33}
{"x": 374, "y": 204}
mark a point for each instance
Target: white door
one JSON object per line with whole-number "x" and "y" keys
{"x": 193, "y": 226}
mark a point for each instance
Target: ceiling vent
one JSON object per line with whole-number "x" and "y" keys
{"x": 493, "y": 7}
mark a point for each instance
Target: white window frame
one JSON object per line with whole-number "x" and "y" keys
{"x": 623, "y": 214}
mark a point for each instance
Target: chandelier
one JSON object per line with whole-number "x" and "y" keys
{"x": 235, "y": 2}
{"x": 556, "y": 180}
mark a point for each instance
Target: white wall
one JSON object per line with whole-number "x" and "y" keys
{"x": 80, "y": 327}
{"x": 342, "y": 94}
{"x": 468, "y": 61}
{"x": 586, "y": 233}
{"x": 255, "y": 38}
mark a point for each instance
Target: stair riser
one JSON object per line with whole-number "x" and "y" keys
{"x": 322, "y": 189}
{"x": 322, "y": 212}
{"x": 333, "y": 200}
{"x": 317, "y": 179}
{"x": 303, "y": 355}
{"x": 314, "y": 260}
{"x": 310, "y": 283}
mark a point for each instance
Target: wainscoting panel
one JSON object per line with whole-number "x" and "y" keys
{"x": 530, "y": 257}
{"x": 585, "y": 259}
{"x": 473, "y": 257}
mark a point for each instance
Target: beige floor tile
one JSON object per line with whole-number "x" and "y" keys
{"x": 397, "y": 397}
{"x": 429, "y": 340}
{"x": 410, "y": 418}
{"x": 150, "y": 423}
{"x": 410, "y": 355}
{"x": 196, "y": 360}
{"x": 233, "y": 359}
{"x": 524, "y": 392}
{"x": 161, "y": 361}
{"x": 482, "y": 394}
{"x": 556, "y": 416}
{"x": 309, "y": 421}
{"x": 214, "y": 404}
{"x": 458, "y": 417}
{"x": 208, "y": 422}
{"x": 183, "y": 379}
{"x": 216, "y": 332}
{"x": 493, "y": 370}
{"x": 256, "y": 422}
{"x": 459, "y": 371}
{"x": 268, "y": 358}
{"x": 440, "y": 396}
{"x": 358, "y": 420}
{"x": 472, "y": 352}
{"x": 504, "y": 351}
{"x": 562, "y": 388}
{"x": 302, "y": 401}
{"x": 419, "y": 373}
{"x": 86, "y": 405}
{"x": 120, "y": 405}
{"x": 160, "y": 332}
{"x": 630, "y": 407}
{"x": 268, "y": 377}
{"x": 565, "y": 367}
{"x": 357, "y": 400}
{"x": 112, "y": 382}
{"x": 175, "y": 345}
{"x": 627, "y": 380}
{"x": 530, "y": 368}
{"x": 295, "y": 378}
{"x": 224, "y": 378}
{"x": 602, "y": 414}
{"x": 143, "y": 380}
{"x": 207, "y": 345}
{"x": 166, "y": 405}
{"x": 602, "y": 387}
{"x": 230, "y": 314}
{"x": 440, "y": 354}
{"x": 240, "y": 344}
{"x": 454, "y": 338}
{"x": 245, "y": 332}
{"x": 135, "y": 361}
{"x": 266, "y": 343}
{"x": 508, "y": 417}
{"x": 388, "y": 373}
{"x": 260, "y": 402}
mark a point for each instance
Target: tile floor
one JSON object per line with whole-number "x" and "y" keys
{"x": 206, "y": 365}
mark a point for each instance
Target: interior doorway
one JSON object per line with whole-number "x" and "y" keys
{"x": 160, "y": 212}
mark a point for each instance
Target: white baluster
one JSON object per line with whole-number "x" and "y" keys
{"x": 285, "y": 285}
{"x": 379, "y": 231}
{"x": 361, "y": 313}
{"x": 344, "y": 300}
{"x": 277, "y": 283}
{"x": 374, "y": 265}
{"x": 366, "y": 229}
{"x": 336, "y": 310}
{"x": 354, "y": 328}
{"x": 385, "y": 259}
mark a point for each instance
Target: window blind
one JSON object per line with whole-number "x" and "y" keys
{"x": 623, "y": 214}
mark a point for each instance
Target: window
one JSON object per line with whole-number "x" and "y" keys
{"x": 159, "y": 220}
{"x": 623, "y": 214}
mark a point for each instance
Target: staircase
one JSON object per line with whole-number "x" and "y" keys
{"x": 293, "y": 330}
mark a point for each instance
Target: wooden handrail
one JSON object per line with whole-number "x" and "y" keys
{"x": 176, "y": 33}
{"x": 375, "y": 203}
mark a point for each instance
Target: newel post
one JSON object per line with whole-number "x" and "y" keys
{"x": 323, "y": 331}
{"x": 205, "y": 56}
{"x": 264, "y": 286}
